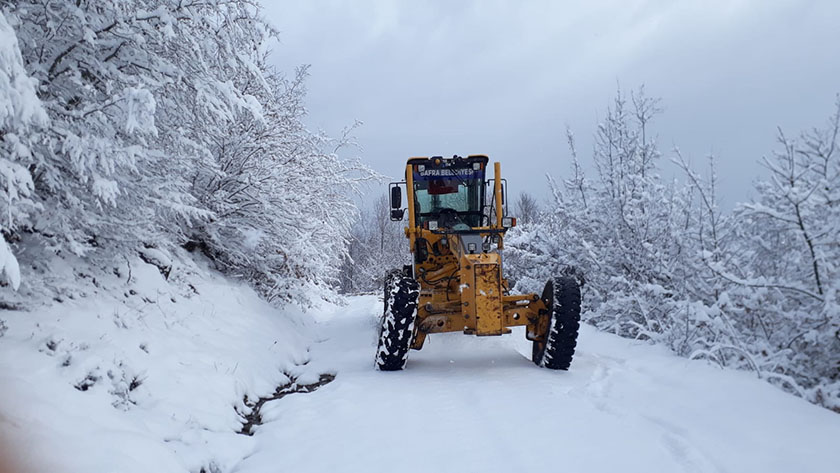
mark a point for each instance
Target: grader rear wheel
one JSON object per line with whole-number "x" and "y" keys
{"x": 557, "y": 347}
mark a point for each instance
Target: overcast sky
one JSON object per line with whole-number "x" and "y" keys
{"x": 504, "y": 78}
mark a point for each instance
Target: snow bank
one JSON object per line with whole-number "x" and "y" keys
{"x": 142, "y": 374}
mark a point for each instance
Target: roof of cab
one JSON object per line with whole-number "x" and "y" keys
{"x": 471, "y": 158}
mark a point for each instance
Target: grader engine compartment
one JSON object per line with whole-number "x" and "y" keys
{"x": 460, "y": 278}
{"x": 456, "y": 224}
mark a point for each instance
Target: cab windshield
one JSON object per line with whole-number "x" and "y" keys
{"x": 449, "y": 196}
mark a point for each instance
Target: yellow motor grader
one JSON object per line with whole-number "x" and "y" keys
{"x": 456, "y": 228}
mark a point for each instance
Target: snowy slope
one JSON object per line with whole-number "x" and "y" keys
{"x": 468, "y": 404}
{"x": 142, "y": 375}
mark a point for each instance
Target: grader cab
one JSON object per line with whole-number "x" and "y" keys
{"x": 456, "y": 228}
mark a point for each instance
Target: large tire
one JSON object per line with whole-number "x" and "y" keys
{"x": 397, "y": 325}
{"x": 388, "y": 283}
{"x": 562, "y": 298}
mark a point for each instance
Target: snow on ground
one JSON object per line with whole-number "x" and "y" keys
{"x": 70, "y": 401}
{"x": 142, "y": 376}
{"x": 470, "y": 404}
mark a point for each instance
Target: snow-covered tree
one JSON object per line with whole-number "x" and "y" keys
{"x": 279, "y": 195}
{"x": 623, "y": 230}
{"x": 527, "y": 209}
{"x": 783, "y": 270}
{"x": 377, "y": 245}
{"x": 755, "y": 289}
{"x": 167, "y": 127}
{"x": 102, "y": 167}
{"x": 21, "y": 113}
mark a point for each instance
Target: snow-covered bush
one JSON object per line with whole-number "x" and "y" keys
{"x": 279, "y": 195}
{"x": 167, "y": 127}
{"x": 757, "y": 289}
{"x": 625, "y": 231}
{"x": 783, "y": 266}
{"x": 101, "y": 170}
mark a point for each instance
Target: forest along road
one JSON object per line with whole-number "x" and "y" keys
{"x": 479, "y": 404}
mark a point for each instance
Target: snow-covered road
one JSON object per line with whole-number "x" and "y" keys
{"x": 470, "y": 404}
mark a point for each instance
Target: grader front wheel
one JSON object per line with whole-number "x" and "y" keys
{"x": 555, "y": 349}
{"x": 397, "y": 325}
